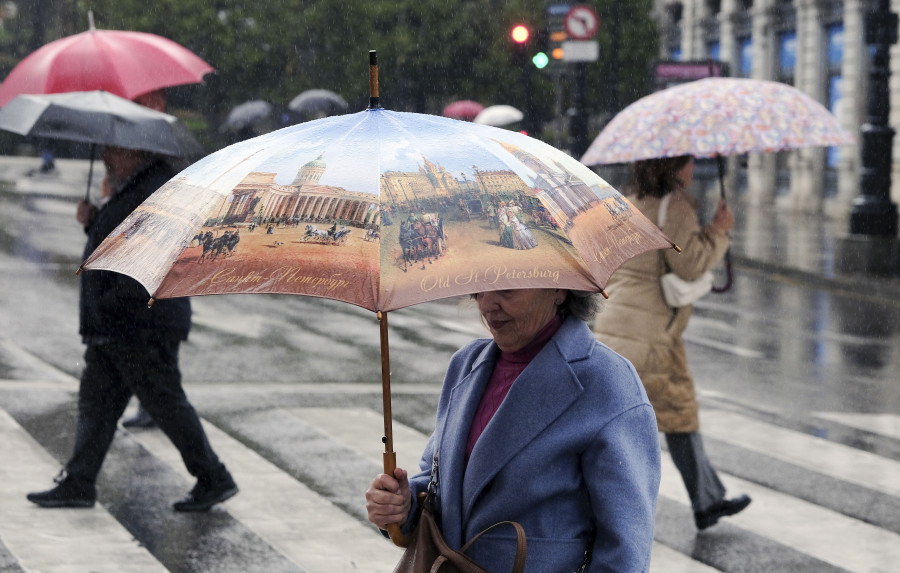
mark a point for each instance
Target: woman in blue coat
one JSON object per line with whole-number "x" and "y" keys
{"x": 544, "y": 426}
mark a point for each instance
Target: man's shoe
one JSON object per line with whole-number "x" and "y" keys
{"x": 141, "y": 419}
{"x": 208, "y": 492}
{"x": 67, "y": 493}
{"x": 723, "y": 508}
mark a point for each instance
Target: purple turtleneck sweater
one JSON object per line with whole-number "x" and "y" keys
{"x": 509, "y": 366}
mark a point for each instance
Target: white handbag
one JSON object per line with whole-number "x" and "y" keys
{"x": 677, "y": 291}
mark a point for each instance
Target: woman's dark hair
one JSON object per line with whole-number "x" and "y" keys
{"x": 656, "y": 177}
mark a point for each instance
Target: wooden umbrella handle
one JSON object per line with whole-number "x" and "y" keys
{"x": 390, "y": 457}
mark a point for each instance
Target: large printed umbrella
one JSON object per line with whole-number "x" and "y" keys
{"x": 716, "y": 117}
{"x": 127, "y": 64}
{"x": 383, "y": 210}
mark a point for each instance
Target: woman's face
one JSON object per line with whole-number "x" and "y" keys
{"x": 514, "y": 317}
{"x": 686, "y": 173}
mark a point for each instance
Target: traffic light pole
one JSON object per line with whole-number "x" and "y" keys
{"x": 577, "y": 118}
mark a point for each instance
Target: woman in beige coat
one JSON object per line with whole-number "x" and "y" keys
{"x": 638, "y": 324}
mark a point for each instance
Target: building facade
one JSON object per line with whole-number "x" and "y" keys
{"x": 815, "y": 45}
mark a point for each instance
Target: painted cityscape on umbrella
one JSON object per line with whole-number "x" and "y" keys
{"x": 384, "y": 224}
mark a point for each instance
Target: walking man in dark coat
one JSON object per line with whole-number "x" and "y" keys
{"x": 132, "y": 349}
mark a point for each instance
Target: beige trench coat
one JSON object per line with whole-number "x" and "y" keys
{"x": 637, "y": 323}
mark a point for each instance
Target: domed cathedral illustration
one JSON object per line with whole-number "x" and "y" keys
{"x": 259, "y": 198}
{"x": 565, "y": 194}
{"x": 431, "y": 181}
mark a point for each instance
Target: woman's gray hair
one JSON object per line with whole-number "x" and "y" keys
{"x": 581, "y": 304}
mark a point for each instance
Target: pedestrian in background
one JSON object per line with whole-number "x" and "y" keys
{"x": 132, "y": 349}
{"x": 156, "y": 100}
{"x": 639, "y": 324}
{"x": 544, "y": 426}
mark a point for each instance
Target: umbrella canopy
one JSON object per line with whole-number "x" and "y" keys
{"x": 464, "y": 109}
{"x": 249, "y": 114}
{"x": 318, "y": 101}
{"x": 382, "y": 210}
{"x": 499, "y": 115}
{"x": 716, "y": 117}
{"x": 124, "y": 63}
{"x": 99, "y": 118}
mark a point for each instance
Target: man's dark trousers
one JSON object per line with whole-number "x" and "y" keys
{"x": 148, "y": 368}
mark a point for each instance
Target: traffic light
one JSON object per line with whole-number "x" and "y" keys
{"x": 540, "y": 58}
{"x": 520, "y": 34}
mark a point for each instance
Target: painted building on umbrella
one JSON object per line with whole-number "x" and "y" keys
{"x": 258, "y": 198}
{"x": 817, "y": 46}
{"x": 431, "y": 182}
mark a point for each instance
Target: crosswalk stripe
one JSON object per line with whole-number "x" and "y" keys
{"x": 58, "y": 540}
{"x": 816, "y": 454}
{"x": 352, "y": 427}
{"x": 304, "y": 526}
{"x": 883, "y": 424}
{"x": 665, "y": 560}
{"x": 821, "y": 533}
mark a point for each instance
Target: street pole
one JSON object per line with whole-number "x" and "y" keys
{"x": 577, "y": 120}
{"x": 872, "y": 212}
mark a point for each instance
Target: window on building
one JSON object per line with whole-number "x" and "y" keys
{"x": 746, "y": 46}
{"x": 834, "y": 47}
{"x": 787, "y": 56}
{"x": 673, "y": 42}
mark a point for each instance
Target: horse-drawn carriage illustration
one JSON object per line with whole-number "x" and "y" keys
{"x": 422, "y": 238}
{"x": 334, "y": 235}
{"x": 214, "y": 246}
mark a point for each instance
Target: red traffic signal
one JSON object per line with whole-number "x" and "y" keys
{"x": 520, "y": 34}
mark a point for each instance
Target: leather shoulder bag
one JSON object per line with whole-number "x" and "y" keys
{"x": 428, "y": 552}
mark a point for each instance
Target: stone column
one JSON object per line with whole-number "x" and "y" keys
{"x": 852, "y": 110}
{"x": 761, "y": 166}
{"x": 808, "y": 165}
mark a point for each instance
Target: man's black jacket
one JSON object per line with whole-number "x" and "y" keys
{"x": 114, "y": 305}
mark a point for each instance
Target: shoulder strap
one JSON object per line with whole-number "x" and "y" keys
{"x": 521, "y": 544}
{"x": 663, "y": 209}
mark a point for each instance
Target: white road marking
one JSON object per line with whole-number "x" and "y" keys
{"x": 815, "y": 454}
{"x": 57, "y": 540}
{"x": 723, "y": 347}
{"x": 304, "y": 526}
{"x": 818, "y": 532}
{"x": 882, "y": 424}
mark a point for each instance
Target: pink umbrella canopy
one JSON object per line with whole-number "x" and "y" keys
{"x": 716, "y": 117}
{"x": 464, "y": 109}
{"x": 124, "y": 63}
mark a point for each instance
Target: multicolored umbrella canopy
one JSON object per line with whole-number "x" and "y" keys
{"x": 716, "y": 117}
{"x": 127, "y": 64}
{"x": 382, "y": 210}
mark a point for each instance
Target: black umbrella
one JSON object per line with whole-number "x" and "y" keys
{"x": 317, "y": 102}
{"x": 98, "y": 118}
{"x": 248, "y": 115}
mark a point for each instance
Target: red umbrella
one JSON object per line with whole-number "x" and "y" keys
{"x": 465, "y": 109}
{"x": 127, "y": 64}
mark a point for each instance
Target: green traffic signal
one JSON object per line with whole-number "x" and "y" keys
{"x": 540, "y": 60}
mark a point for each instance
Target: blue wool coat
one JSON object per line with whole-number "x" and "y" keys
{"x": 571, "y": 454}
